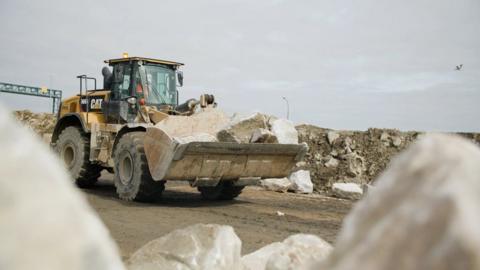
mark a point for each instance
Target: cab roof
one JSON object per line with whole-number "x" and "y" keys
{"x": 148, "y": 60}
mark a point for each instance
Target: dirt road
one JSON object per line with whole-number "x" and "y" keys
{"x": 253, "y": 215}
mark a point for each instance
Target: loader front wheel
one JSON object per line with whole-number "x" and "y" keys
{"x": 132, "y": 176}
{"x": 73, "y": 146}
{"x": 225, "y": 190}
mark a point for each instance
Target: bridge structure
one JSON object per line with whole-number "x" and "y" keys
{"x": 55, "y": 95}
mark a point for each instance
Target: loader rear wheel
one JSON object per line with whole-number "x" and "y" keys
{"x": 132, "y": 176}
{"x": 73, "y": 146}
{"x": 225, "y": 190}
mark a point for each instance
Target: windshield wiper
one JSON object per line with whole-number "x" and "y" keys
{"x": 158, "y": 95}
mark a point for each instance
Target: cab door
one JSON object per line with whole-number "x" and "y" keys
{"x": 116, "y": 109}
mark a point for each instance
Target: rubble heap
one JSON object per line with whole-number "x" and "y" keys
{"x": 353, "y": 156}
{"x": 40, "y": 123}
{"x": 349, "y": 156}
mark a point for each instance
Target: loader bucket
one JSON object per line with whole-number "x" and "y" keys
{"x": 214, "y": 161}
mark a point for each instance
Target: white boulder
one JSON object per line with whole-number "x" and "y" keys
{"x": 331, "y": 162}
{"x": 198, "y": 137}
{"x": 385, "y": 137}
{"x": 241, "y": 129}
{"x": 332, "y": 136}
{"x": 285, "y": 131}
{"x": 200, "y": 246}
{"x": 397, "y": 141}
{"x": 422, "y": 215}
{"x": 210, "y": 120}
{"x": 276, "y": 184}
{"x": 45, "y": 222}
{"x": 356, "y": 165}
{"x": 350, "y": 191}
{"x": 261, "y": 135}
{"x": 301, "y": 182}
{"x": 298, "y": 251}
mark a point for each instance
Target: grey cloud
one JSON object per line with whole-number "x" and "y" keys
{"x": 342, "y": 64}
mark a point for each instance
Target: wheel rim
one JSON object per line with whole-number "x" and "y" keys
{"x": 126, "y": 168}
{"x": 68, "y": 155}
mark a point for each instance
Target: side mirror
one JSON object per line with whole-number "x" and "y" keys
{"x": 107, "y": 78}
{"x": 180, "y": 77}
{"x": 118, "y": 74}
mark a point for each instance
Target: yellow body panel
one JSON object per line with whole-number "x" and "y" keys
{"x": 95, "y": 115}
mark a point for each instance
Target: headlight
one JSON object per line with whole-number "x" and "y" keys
{"x": 132, "y": 100}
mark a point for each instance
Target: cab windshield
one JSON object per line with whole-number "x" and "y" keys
{"x": 159, "y": 85}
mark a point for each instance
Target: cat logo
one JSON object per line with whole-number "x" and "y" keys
{"x": 96, "y": 104}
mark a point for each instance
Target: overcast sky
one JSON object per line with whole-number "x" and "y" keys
{"x": 341, "y": 64}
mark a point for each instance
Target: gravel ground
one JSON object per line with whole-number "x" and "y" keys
{"x": 253, "y": 215}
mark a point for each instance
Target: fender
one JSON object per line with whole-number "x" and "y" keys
{"x": 69, "y": 119}
{"x": 129, "y": 128}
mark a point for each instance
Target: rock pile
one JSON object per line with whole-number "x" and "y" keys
{"x": 349, "y": 156}
{"x": 258, "y": 128}
{"x": 40, "y": 123}
{"x": 353, "y": 156}
{"x": 255, "y": 128}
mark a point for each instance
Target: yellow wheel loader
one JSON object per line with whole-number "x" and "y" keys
{"x": 116, "y": 128}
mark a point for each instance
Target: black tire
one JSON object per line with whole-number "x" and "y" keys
{"x": 73, "y": 146}
{"x": 132, "y": 176}
{"x": 225, "y": 190}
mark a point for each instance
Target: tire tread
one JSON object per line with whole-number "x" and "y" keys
{"x": 148, "y": 189}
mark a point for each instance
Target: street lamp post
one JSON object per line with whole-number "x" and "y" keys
{"x": 288, "y": 107}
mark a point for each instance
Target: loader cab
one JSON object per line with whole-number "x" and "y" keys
{"x": 137, "y": 82}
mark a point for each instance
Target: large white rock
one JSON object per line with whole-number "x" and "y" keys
{"x": 301, "y": 182}
{"x": 424, "y": 213}
{"x": 351, "y": 191}
{"x": 200, "y": 246}
{"x": 210, "y": 120}
{"x": 331, "y": 162}
{"x": 45, "y": 223}
{"x": 261, "y": 135}
{"x": 276, "y": 184}
{"x": 299, "y": 251}
{"x": 241, "y": 129}
{"x": 258, "y": 259}
{"x": 356, "y": 164}
{"x": 285, "y": 131}
{"x": 198, "y": 137}
{"x": 332, "y": 136}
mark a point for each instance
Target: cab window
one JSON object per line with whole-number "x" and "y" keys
{"x": 122, "y": 80}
